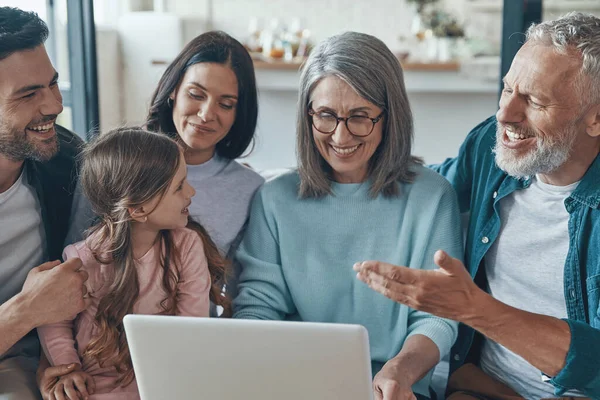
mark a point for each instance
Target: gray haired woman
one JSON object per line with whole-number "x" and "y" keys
{"x": 357, "y": 194}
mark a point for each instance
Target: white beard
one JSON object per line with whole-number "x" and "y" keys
{"x": 545, "y": 158}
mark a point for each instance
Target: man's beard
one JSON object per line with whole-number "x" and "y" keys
{"x": 16, "y": 146}
{"x": 547, "y": 156}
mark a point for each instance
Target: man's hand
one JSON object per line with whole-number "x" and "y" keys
{"x": 74, "y": 385}
{"x": 390, "y": 383}
{"x": 48, "y": 376}
{"x": 448, "y": 292}
{"x": 54, "y": 292}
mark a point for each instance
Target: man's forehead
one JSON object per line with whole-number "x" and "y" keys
{"x": 544, "y": 68}
{"x": 25, "y": 68}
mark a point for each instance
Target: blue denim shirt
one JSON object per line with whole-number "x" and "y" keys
{"x": 480, "y": 184}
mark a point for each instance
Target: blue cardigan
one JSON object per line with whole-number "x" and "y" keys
{"x": 297, "y": 257}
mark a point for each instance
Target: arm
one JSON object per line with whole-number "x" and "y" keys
{"x": 417, "y": 357}
{"x": 263, "y": 292}
{"x": 566, "y": 350}
{"x": 194, "y": 285}
{"x": 16, "y": 320}
{"x": 51, "y": 292}
{"x": 58, "y": 339}
{"x": 444, "y": 232}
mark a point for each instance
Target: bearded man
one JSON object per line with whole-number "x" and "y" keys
{"x": 530, "y": 180}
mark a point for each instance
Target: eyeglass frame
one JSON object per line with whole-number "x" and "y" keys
{"x": 375, "y": 120}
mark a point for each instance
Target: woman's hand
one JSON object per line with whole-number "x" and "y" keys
{"x": 391, "y": 383}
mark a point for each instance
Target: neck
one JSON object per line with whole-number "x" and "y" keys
{"x": 197, "y": 157}
{"x": 9, "y": 172}
{"x": 582, "y": 156}
{"x": 352, "y": 177}
{"x": 142, "y": 238}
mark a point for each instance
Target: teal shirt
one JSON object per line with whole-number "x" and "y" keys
{"x": 297, "y": 257}
{"x": 480, "y": 185}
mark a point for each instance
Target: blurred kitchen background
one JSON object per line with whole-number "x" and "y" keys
{"x": 111, "y": 53}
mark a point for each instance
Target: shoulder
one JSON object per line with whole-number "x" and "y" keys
{"x": 186, "y": 239}
{"x": 282, "y": 186}
{"x": 427, "y": 180}
{"x": 71, "y": 145}
{"x": 482, "y": 138}
{"x": 242, "y": 173}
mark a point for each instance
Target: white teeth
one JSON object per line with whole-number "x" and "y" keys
{"x": 515, "y": 136}
{"x": 42, "y": 128}
{"x": 346, "y": 150}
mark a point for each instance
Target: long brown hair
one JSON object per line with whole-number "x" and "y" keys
{"x": 210, "y": 47}
{"x": 125, "y": 169}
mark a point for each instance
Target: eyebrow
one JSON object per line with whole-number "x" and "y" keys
{"x": 542, "y": 97}
{"x": 30, "y": 88}
{"x": 225, "y": 96}
{"x": 357, "y": 109}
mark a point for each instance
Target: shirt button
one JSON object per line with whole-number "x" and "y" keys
{"x": 456, "y": 357}
{"x": 495, "y": 195}
{"x": 485, "y": 240}
{"x": 572, "y": 293}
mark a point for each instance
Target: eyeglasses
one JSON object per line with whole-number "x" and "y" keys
{"x": 327, "y": 122}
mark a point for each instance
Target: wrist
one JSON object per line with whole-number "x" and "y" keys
{"x": 483, "y": 309}
{"x": 404, "y": 369}
{"x": 20, "y": 312}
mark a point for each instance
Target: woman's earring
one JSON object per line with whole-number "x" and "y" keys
{"x": 170, "y": 102}
{"x": 145, "y": 218}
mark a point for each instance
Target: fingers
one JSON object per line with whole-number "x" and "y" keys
{"x": 80, "y": 385}
{"x": 91, "y": 384}
{"x": 393, "y": 290}
{"x": 70, "y": 390}
{"x": 72, "y": 264}
{"x": 450, "y": 265}
{"x": 394, "y": 272}
{"x": 59, "y": 392}
{"x": 56, "y": 372}
{"x": 46, "y": 266}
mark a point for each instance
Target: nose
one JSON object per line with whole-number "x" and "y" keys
{"x": 512, "y": 108}
{"x": 190, "y": 191}
{"x": 341, "y": 135}
{"x": 51, "y": 102}
{"x": 206, "y": 111}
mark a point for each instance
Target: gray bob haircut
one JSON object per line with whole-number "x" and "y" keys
{"x": 369, "y": 67}
{"x": 580, "y": 32}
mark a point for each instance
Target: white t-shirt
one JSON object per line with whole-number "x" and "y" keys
{"x": 22, "y": 236}
{"x": 525, "y": 269}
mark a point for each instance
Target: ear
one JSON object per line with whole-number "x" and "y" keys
{"x": 138, "y": 214}
{"x": 593, "y": 121}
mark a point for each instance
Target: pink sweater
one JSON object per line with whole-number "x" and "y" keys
{"x": 65, "y": 342}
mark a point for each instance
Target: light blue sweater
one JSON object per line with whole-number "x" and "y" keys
{"x": 297, "y": 257}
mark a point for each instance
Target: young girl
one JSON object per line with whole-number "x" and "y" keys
{"x": 141, "y": 258}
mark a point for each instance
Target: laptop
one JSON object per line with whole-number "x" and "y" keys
{"x": 227, "y": 359}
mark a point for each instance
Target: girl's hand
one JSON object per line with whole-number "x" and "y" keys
{"x": 77, "y": 385}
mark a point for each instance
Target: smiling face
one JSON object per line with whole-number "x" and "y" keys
{"x": 29, "y": 105}
{"x": 204, "y": 108}
{"x": 171, "y": 210}
{"x": 540, "y": 120}
{"x": 348, "y": 155}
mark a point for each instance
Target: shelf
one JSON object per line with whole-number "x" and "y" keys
{"x": 488, "y": 6}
